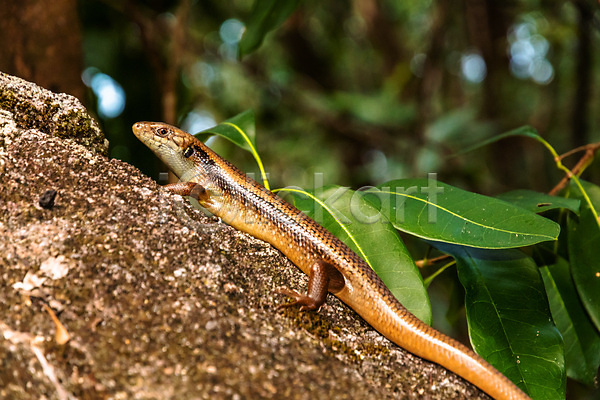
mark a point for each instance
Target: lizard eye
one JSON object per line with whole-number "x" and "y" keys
{"x": 188, "y": 152}
{"x": 162, "y": 132}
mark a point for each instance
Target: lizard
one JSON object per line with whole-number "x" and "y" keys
{"x": 332, "y": 267}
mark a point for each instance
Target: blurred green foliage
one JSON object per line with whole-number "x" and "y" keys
{"x": 362, "y": 91}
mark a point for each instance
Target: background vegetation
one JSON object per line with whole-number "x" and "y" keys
{"x": 362, "y": 91}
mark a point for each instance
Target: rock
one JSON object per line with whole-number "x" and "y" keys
{"x": 152, "y": 298}
{"x": 60, "y": 115}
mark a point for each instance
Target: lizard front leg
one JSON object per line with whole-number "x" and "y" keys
{"x": 191, "y": 189}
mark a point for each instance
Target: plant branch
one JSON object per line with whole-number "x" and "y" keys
{"x": 582, "y": 164}
{"x": 426, "y": 262}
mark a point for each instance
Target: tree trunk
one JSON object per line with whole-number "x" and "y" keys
{"x": 41, "y": 41}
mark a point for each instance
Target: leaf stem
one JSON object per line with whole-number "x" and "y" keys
{"x": 431, "y": 277}
{"x": 570, "y": 175}
{"x": 254, "y": 153}
{"x": 425, "y": 262}
{"x": 581, "y": 165}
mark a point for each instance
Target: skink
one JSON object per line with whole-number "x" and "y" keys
{"x": 330, "y": 265}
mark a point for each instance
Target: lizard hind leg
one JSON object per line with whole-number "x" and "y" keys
{"x": 323, "y": 277}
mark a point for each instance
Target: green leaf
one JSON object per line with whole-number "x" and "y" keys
{"x": 353, "y": 220}
{"x": 525, "y": 131}
{"x": 584, "y": 241}
{"x": 240, "y": 130}
{"x": 539, "y": 202}
{"x": 582, "y": 340}
{"x": 266, "y": 16}
{"x": 509, "y": 320}
{"x": 435, "y": 211}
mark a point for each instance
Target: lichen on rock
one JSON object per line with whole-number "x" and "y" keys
{"x": 56, "y": 114}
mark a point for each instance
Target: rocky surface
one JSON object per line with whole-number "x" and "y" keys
{"x": 120, "y": 290}
{"x": 57, "y": 114}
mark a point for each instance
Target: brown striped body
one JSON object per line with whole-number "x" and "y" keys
{"x": 248, "y": 206}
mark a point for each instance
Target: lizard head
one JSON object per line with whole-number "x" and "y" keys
{"x": 173, "y": 146}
